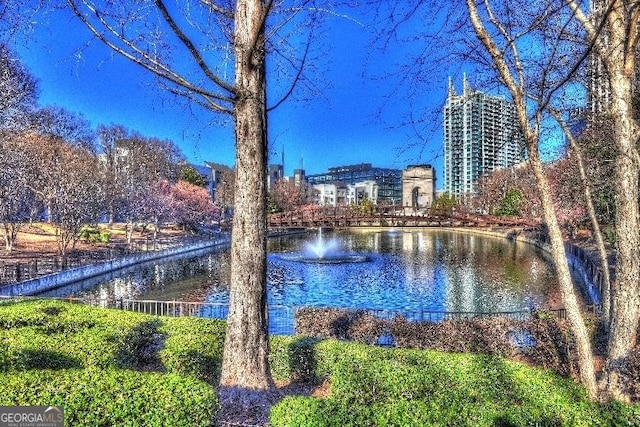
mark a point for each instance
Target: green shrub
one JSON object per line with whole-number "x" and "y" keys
{"x": 193, "y": 348}
{"x": 138, "y": 347}
{"x": 546, "y": 341}
{"x": 401, "y": 387}
{"x": 610, "y": 235}
{"x": 510, "y": 203}
{"x": 94, "y": 235}
{"x": 113, "y": 397}
{"x": 293, "y": 358}
{"x": 97, "y": 364}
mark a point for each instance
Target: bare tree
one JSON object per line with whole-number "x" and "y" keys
{"x": 44, "y": 141}
{"x": 61, "y": 123}
{"x": 17, "y": 100}
{"x": 140, "y": 162}
{"x": 581, "y": 167}
{"x": 130, "y": 165}
{"x": 529, "y": 50}
{"x": 110, "y": 179}
{"x": 16, "y": 17}
{"x": 161, "y": 37}
{"x": 77, "y": 200}
{"x": 16, "y": 198}
{"x": 498, "y": 33}
{"x": 613, "y": 32}
{"x": 65, "y": 178}
{"x": 18, "y": 90}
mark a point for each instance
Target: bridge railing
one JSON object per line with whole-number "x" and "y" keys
{"x": 387, "y": 215}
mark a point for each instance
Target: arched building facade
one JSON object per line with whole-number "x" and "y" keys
{"x": 418, "y": 186}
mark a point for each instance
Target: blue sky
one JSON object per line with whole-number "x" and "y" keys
{"x": 338, "y": 128}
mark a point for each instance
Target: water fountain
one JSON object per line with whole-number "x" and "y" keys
{"x": 323, "y": 251}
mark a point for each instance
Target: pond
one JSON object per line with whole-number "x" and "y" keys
{"x": 396, "y": 270}
{"x": 425, "y": 269}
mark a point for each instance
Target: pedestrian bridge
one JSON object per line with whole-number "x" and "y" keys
{"x": 388, "y": 216}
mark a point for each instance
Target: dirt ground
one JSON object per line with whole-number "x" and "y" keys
{"x": 38, "y": 240}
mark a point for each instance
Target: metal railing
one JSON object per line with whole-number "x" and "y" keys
{"x": 282, "y": 318}
{"x": 339, "y": 216}
{"x": 419, "y": 315}
{"x": 18, "y": 270}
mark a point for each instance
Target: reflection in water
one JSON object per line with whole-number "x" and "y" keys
{"x": 431, "y": 270}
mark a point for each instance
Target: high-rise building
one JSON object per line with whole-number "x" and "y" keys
{"x": 481, "y": 135}
{"x": 598, "y": 86}
{"x": 598, "y": 89}
{"x": 275, "y": 173}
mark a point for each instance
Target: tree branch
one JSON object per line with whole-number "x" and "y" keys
{"x": 145, "y": 60}
{"x": 218, "y": 9}
{"x": 296, "y": 79}
{"x": 186, "y": 41}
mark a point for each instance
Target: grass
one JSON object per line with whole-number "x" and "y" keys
{"x": 373, "y": 386}
{"x": 109, "y": 367}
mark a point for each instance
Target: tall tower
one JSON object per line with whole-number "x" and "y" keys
{"x": 480, "y": 135}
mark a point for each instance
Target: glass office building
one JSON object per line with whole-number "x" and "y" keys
{"x": 389, "y": 181}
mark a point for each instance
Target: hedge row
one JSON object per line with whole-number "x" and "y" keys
{"x": 545, "y": 340}
{"x": 109, "y": 367}
{"x": 111, "y": 397}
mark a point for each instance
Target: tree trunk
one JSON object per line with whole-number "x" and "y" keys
{"x": 569, "y": 299}
{"x": 616, "y": 45}
{"x": 8, "y": 242}
{"x": 10, "y": 235}
{"x": 156, "y": 224}
{"x": 625, "y": 290}
{"x": 129, "y": 232}
{"x": 245, "y": 377}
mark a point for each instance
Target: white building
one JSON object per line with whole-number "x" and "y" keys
{"x": 362, "y": 190}
{"x": 418, "y": 186}
{"x": 331, "y": 194}
{"x": 340, "y": 194}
